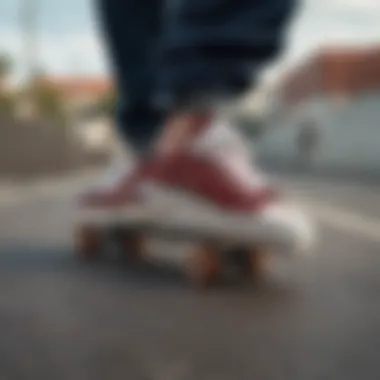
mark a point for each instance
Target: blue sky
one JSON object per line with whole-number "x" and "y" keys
{"x": 69, "y": 44}
{"x": 67, "y": 35}
{"x": 55, "y": 16}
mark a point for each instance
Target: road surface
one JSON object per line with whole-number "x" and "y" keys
{"x": 313, "y": 319}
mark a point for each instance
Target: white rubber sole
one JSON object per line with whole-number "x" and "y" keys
{"x": 280, "y": 226}
{"x": 133, "y": 214}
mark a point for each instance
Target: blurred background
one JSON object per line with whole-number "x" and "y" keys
{"x": 54, "y": 78}
{"x": 314, "y": 122}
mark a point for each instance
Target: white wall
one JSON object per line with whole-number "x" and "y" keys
{"x": 350, "y": 133}
{"x": 95, "y": 134}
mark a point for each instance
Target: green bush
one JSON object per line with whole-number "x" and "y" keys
{"x": 6, "y": 65}
{"x": 48, "y": 102}
{"x": 7, "y": 104}
{"x": 107, "y": 105}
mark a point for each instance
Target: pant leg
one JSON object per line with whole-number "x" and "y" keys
{"x": 132, "y": 30}
{"x": 214, "y": 49}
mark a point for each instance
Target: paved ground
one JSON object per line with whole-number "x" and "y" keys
{"x": 312, "y": 319}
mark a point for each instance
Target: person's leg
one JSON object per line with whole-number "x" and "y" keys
{"x": 211, "y": 49}
{"x": 132, "y": 31}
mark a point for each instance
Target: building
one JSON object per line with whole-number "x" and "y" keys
{"x": 339, "y": 90}
{"x": 334, "y": 73}
{"x": 82, "y": 97}
{"x": 79, "y": 93}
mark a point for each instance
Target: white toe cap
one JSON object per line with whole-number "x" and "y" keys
{"x": 288, "y": 227}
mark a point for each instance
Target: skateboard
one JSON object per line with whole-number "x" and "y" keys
{"x": 204, "y": 255}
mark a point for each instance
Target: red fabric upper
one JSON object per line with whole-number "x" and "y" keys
{"x": 203, "y": 177}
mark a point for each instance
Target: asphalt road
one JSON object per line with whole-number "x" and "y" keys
{"x": 312, "y": 319}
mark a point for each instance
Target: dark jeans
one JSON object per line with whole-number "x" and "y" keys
{"x": 185, "y": 53}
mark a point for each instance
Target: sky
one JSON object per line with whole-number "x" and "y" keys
{"x": 69, "y": 42}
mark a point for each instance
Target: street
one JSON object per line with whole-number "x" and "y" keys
{"x": 315, "y": 317}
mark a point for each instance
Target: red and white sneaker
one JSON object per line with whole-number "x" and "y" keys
{"x": 213, "y": 186}
{"x": 210, "y": 186}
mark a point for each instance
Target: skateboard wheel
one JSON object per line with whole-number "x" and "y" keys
{"x": 89, "y": 242}
{"x": 250, "y": 263}
{"x": 258, "y": 263}
{"x": 133, "y": 244}
{"x": 204, "y": 267}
